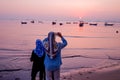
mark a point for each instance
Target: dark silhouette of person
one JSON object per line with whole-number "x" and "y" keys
{"x": 37, "y": 57}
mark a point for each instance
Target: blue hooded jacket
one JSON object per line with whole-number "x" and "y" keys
{"x": 55, "y": 63}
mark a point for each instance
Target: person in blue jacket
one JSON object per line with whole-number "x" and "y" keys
{"x": 37, "y": 57}
{"x": 53, "y": 55}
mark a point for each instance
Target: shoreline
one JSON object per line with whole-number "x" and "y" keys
{"x": 110, "y": 72}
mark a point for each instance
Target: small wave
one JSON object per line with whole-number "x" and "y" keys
{"x": 79, "y": 36}
{"x": 84, "y": 37}
{"x": 66, "y": 68}
{"x": 88, "y": 49}
{"x": 112, "y": 58}
{"x": 74, "y": 56}
{"x": 7, "y": 49}
{"x": 10, "y": 70}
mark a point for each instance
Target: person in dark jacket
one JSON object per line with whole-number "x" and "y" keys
{"x": 37, "y": 57}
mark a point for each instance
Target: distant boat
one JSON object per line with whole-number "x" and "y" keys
{"x": 32, "y": 21}
{"x": 23, "y": 22}
{"x": 85, "y": 22}
{"x": 94, "y": 24}
{"x": 117, "y": 31}
{"x": 60, "y": 24}
{"x": 75, "y": 22}
{"x": 53, "y": 23}
{"x": 108, "y": 24}
{"x": 68, "y": 22}
{"x": 81, "y": 24}
{"x": 40, "y": 22}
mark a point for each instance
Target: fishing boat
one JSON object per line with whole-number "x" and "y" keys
{"x": 81, "y": 24}
{"x": 68, "y": 22}
{"x": 75, "y": 22}
{"x": 32, "y": 21}
{"x": 60, "y": 24}
{"x": 108, "y": 24}
{"x": 23, "y": 22}
{"x": 53, "y": 23}
{"x": 117, "y": 31}
{"x": 93, "y": 24}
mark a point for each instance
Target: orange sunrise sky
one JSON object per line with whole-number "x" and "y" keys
{"x": 85, "y": 9}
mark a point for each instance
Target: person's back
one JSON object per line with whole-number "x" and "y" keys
{"x": 37, "y": 58}
{"x": 53, "y": 60}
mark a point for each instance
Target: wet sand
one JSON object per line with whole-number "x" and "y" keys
{"x": 101, "y": 73}
{"x": 104, "y": 72}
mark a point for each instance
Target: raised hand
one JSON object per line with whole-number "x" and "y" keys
{"x": 59, "y": 34}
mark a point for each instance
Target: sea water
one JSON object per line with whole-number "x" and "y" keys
{"x": 87, "y": 45}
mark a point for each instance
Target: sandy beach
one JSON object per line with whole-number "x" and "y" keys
{"x": 111, "y": 72}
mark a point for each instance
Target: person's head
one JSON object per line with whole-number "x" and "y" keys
{"x": 52, "y": 44}
{"x": 39, "y": 49}
{"x": 51, "y": 36}
{"x": 38, "y": 43}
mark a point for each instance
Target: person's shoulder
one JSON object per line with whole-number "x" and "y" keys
{"x": 59, "y": 44}
{"x": 45, "y": 39}
{"x": 33, "y": 51}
